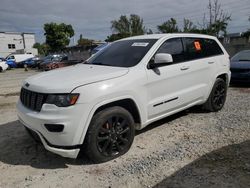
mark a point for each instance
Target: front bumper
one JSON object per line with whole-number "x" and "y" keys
{"x": 66, "y": 143}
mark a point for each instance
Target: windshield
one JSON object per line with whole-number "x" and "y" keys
{"x": 242, "y": 56}
{"x": 127, "y": 53}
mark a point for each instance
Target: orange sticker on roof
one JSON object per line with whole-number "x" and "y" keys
{"x": 197, "y": 45}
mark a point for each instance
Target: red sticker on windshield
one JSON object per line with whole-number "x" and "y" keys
{"x": 197, "y": 45}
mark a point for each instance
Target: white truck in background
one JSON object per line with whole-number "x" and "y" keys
{"x": 19, "y": 57}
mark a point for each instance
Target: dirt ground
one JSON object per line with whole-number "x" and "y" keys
{"x": 189, "y": 149}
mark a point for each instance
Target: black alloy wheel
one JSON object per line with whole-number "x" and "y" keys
{"x": 110, "y": 134}
{"x": 113, "y": 136}
{"x": 217, "y": 97}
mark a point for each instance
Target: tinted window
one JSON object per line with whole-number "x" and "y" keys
{"x": 173, "y": 47}
{"x": 194, "y": 48}
{"x": 125, "y": 53}
{"x": 211, "y": 48}
{"x": 197, "y": 48}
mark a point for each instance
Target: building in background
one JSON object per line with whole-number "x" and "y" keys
{"x": 13, "y": 42}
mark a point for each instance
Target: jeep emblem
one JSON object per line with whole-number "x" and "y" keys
{"x": 27, "y": 84}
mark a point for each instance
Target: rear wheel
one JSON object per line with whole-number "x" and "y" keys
{"x": 217, "y": 96}
{"x": 110, "y": 134}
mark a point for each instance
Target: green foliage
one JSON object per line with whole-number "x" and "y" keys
{"x": 216, "y": 22}
{"x": 170, "y": 26}
{"x": 42, "y": 49}
{"x": 84, "y": 41}
{"x": 188, "y": 26}
{"x": 117, "y": 36}
{"x": 126, "y": 26}
{"x": 58, "y": 35}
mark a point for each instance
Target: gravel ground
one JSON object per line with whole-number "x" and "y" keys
{"x": 189, "y": 149}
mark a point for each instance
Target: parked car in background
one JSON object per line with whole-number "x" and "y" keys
{"x": 2, "y": 59}
{"x": 240, "y": 67}
{"x": 98, "y": 105}
{"x": 50, "y": 58}
{"x": 19, "y": 58}
{"x": 3, "y": 65}
{"x": 31, "y": 62}
{"x": 99, "y": 48}
{"x": 11, "y": 63}
{"x": 58, "y": 64}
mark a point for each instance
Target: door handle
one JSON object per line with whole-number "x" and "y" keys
{"x": 210, "y": 62}
{"x": 184, "y": 68}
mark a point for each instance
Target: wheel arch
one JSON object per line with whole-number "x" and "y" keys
{"x": 224, "y": 76}
{"x": 126, "y": 103}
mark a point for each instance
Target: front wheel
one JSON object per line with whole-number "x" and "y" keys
{"x": 110, "y": 134}
{"x": 217, "y": 96}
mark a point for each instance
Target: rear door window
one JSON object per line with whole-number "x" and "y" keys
{"x": 194, "y": 48}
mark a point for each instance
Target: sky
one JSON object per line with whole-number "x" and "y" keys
{"x": 92, "y": 17}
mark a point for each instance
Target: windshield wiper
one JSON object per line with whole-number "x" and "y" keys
{"x": 99, "y": 63}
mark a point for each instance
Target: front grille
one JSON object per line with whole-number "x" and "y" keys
{"x": 235, "y": 70}
{"x": 32, "y": 100}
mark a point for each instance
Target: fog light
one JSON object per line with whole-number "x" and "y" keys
{"x": 54, "y": 127}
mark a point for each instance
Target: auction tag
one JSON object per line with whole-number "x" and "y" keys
{"x": 140, "y": 44}
{"x": 197, "y": 45}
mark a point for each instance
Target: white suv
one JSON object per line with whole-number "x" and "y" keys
{"x": 96, "y": 106}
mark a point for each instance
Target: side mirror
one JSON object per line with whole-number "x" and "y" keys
{"x": 161, "y": 59}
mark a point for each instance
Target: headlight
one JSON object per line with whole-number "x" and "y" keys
{"x": 62, "y": 100}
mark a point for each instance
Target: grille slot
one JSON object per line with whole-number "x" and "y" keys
{"x": 32, "y": 100}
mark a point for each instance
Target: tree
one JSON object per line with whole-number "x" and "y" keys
{"x": 217, "y": 19}
{"x": 126, "y": 26}
{"x": 149, "y": 31}
{"x": 188, "y": 26}
{"x": 41, "y": 48}
{"x": 58, "y": 35}
{"x": 84, "y": 41}
{"x": 116, "y": 36}
{"x": 170, "y": 26}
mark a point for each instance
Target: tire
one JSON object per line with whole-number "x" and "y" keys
{"x": 110, "y": 134}
{"x": 217, "y": 97}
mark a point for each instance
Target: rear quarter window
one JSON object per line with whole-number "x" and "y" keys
{"x": 197, "y": 48}
{"x": 212, "y": 48}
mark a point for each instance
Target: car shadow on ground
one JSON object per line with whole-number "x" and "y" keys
{"x": 228, "y": 166}
{"x": 239, "y": 85}
{"x": 18, "y": 148}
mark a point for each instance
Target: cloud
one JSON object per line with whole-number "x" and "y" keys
{"x": 92, "y": 18}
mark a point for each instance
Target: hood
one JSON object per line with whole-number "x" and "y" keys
{"x": 64, "y": 80}
{"x": 240, "y": 64}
